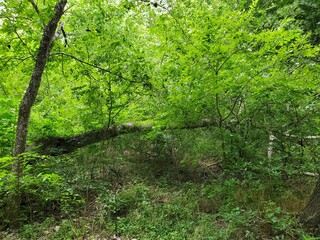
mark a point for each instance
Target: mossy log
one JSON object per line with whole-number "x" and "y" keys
{"x": 56, "y": 145}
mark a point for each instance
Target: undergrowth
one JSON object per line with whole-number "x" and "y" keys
{"x": 156, "y": 190}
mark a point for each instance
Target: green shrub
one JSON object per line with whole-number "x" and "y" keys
{"x": 43, "y": 193}
{"x": 7, "y": 125}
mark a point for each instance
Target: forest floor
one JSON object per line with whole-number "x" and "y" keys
{"x": 141, "y": 196}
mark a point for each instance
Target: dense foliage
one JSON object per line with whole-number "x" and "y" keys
{"x": 249, "y": 69}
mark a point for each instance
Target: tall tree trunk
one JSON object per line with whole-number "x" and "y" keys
{"x": 310, "y": 216}
{"x": 32, "y": 90}
{"x": 27, "y": 103}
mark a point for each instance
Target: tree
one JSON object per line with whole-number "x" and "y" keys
{"x": 30, "y": 97}
{"x": 33, "y": 88}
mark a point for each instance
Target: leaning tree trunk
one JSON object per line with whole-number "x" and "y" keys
{"x": 56, "y": 145}
{"x": 310, "y": 216}
{"x": 27, "y": 103}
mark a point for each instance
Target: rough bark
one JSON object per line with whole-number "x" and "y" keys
{"x": 13, "y": 207}
{"x": 310, "y": 216}
{"x": 33, "y": 88}
{"x": 60, "y": 145}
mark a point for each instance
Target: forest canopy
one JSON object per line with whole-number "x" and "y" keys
{"x": 236, "y": 82}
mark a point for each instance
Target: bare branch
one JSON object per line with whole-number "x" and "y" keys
{"x": 21, "y": 40}
{"x": 96, "y": 66}
{"x": 14, "y": 58}
{"x": 35, "y": 6}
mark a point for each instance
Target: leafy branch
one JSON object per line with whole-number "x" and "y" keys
{"x": 120, "y": 76}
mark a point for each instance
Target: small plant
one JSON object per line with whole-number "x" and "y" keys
{"x": 43, "y": 193}
{"x": 282, "y": 224}
{"x": 122, "y": 202}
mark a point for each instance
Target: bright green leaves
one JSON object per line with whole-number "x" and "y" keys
{"x": 203, "y": 55}
{"x": 220, "y": 63}
{"x": 175, "y": 65}
{"x": 20, "y": 29}
{"x": 306, "y": 14}
{"x": 104, "y": 67}
{"x": 8, "y": 120}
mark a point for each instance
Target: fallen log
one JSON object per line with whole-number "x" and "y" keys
{"x": 55, "y": 145}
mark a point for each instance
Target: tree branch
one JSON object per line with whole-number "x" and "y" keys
{"x": 35, "y": 6}
{"x": 95, "y": 66}
{"x": 23, "y": 43}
